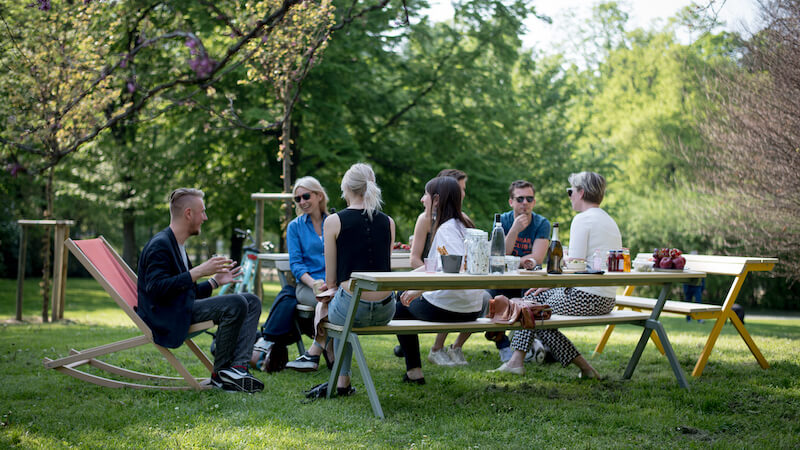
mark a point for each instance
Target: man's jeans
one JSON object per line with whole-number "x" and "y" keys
{"x": 237, "y": 318}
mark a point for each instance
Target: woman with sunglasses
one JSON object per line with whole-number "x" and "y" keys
{"x": 442, "y": 195}
{"x": 305, "y": 242}
{"x": 358, "y": 239}
{"x": 592, "y": 229}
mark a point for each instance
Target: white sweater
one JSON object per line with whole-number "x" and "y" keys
{"x": 592, "y": 230}
{"x": 451, "y": 235}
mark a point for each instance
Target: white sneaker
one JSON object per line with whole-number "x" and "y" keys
{"x": 505, "y": 368}
{"x": 440, "y": 358}
{"x": 505, "y": 354}
{"x": 456, "y": 356}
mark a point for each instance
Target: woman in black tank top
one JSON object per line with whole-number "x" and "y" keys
{"x": 358, "y": 238}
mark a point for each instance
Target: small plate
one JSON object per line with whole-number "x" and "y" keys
{"x": 666, "y": 270}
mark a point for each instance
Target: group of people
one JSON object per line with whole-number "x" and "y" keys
{"x": 325, "y": 249}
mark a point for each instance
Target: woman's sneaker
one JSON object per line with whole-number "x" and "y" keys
{"x": 237, "y": 379}
{"x": 456, "y": 356}
{"x": 440, "y": 358}
{"x": 304, "y": 363}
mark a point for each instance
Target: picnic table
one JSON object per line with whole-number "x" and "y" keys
{"x": 397, "y": 281}
{"x": 280, "y": 261}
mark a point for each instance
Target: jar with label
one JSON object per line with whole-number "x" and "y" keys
{"x": 477, "y": 251}
{"x": 626, "y": 260}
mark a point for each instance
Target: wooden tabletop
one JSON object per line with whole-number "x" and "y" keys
{"x": 525, "y": 279}
{"x": 400, "y": 260}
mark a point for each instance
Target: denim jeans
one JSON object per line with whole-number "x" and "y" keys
{"x": 367, "y": 314}
{"x": 236, "y": 316}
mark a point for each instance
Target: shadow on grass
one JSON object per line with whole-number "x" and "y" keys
{"x": 735, "y": 403}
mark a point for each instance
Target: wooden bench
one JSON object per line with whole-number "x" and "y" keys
{"x": 736, "y": 266}
{"x": 384, "y": 281}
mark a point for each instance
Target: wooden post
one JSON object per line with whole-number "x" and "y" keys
{"x": 65, "y": 259}
{"x": 23, "y": 250}
{"x": 59, "y": 267}
{"x": 257, "y": 243}
{"x": 59, "y": 264}
{"x": 260, "y": 198}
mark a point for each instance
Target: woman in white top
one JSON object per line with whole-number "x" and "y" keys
{"x": 444, "y": 196}
{"x": 592, "y": 229}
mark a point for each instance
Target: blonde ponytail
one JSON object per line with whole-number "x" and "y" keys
{"x": 359, "y": 181}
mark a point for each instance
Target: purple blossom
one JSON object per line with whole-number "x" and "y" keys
{"x": 43, "y": 5}
{"x": 202, "y": 66}
{"x": 131, "y": 86}
{"x": 14, "y": 169}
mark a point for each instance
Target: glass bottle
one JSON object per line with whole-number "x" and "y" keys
{"x": 497, "y": 250}
{"x": 555, "y": 253}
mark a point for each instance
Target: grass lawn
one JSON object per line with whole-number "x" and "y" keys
{"x": 734, "y": 404}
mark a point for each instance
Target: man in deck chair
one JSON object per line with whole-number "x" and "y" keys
{"x": 170, "y": 298}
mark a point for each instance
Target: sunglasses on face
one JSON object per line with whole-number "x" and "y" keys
{"x": 569, "y": 192}
{"x": 528, "y": 198}
{"x": 305, "y": 196}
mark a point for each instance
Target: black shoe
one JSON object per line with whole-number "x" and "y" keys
{"x": 318, "y": 391}
{"x": 238, "y": 379}
{"x": 398, "y": 351}
{"x": 419, "y": 381}
{"x": 345, "y": 391}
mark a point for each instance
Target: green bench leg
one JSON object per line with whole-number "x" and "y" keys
{"x": 365, "y": 376}
{"x": 673, "y": 360}
{"x": 650, "y": 326}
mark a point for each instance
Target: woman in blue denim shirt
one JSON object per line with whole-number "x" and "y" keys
{"x": 305, "y": 243}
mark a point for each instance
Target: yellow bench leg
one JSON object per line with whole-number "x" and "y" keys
{"x": 715, "y": 332}
{"x": 748, "y": 340}
{"x": 610, "y": 328}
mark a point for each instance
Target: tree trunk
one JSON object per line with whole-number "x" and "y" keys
{"x": 46, "y": 266}
{"x": 129, "y": 248}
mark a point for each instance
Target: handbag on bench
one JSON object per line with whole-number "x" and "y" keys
{"x": 506, "y": 311}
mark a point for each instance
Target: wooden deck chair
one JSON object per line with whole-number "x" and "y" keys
{"x": 109, "y": 269}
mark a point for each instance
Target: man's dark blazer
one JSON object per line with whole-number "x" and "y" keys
{"x": 166, "y": 290}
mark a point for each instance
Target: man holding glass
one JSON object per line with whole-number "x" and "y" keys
{"x": 171, "y": 298}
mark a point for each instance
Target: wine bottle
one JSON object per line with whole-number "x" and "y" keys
{"x": 555, "y": 254}
{"x": 497, "y": 252}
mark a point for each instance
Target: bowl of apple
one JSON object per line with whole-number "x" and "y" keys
{"x": 668, "y": 260}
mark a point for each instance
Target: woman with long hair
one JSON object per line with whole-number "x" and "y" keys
{"x": 444, "y": 196}
{"x": 358, "y": 239}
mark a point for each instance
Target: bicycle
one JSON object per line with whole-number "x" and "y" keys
{"x": 246, "y": 280}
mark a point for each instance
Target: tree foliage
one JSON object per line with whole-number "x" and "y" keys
{"x": 754, "y": 138}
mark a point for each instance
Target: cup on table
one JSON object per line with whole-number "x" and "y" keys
{"x": 430, "y": 265}
{"x": 451, "y": 263}
{"x": 512, "y": 264}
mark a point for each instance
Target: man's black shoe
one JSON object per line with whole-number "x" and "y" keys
{"x": 238, "y": 379}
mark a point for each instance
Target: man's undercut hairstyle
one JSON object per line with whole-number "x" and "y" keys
{"x": 179, "y": 200}
{"x": 453, "y": 173}
{"x": 520, "y": 184}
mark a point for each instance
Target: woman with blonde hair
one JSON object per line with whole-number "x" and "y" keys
{"x": 305, "y": 242}
{"x": 358, "y": 239}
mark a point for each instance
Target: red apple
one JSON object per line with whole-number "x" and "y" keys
{"x": 679, "y": 262}
{"x": 665, "y": 263}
